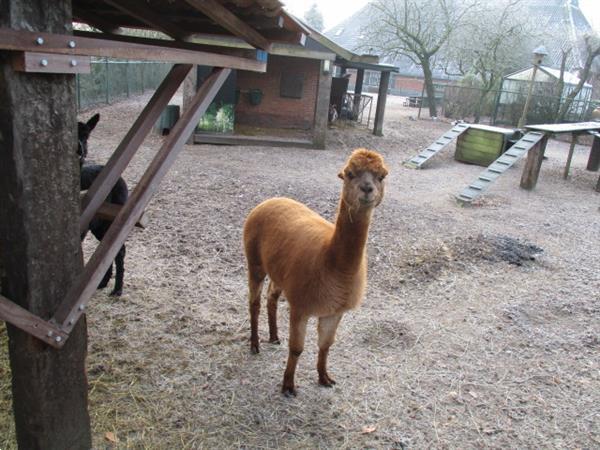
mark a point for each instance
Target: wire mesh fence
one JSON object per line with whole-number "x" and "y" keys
{"x": 110, "y": 81}
{"x": 505, "y": 107}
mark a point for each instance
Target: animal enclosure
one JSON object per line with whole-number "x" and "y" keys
{"x": 462, "y": 340}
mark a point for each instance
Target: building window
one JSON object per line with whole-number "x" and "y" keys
{"x": 372, "y": 78}
{"x": 292, "y": 84}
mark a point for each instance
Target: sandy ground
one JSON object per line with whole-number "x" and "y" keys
{"x": 455, "y": 345}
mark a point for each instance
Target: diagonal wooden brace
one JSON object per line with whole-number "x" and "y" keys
{"x": 119, "y": 160}
{"x": 78, "y": 296}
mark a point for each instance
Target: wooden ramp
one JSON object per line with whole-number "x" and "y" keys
{"x": 499, "y": 166}
{"x": 433, "y": 149}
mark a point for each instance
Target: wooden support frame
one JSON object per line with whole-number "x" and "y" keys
{"x": 27, "y": 41}
{"x": 384, "y": 83}
{"x": 217, "y": 12}
{"x": 119, "y": 160}
{"x": 56, "y": 331}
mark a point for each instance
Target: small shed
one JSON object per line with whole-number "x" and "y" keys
{"x": 514, "y": 88}
{"x": 483, "y": 144}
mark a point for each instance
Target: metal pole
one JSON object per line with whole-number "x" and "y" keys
{"x": 528, "y": 99}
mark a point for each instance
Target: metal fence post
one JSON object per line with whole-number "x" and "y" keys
{"x": 106, "y": 79}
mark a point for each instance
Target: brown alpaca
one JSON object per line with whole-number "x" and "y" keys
{"x": 320, "y": 267}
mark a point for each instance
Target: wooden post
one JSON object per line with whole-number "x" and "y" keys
{"x": 531, "y": 171}
{"x": 570, "y": 157}
{"x": 39, "y": 236}
{"x": 322, "y": 108}
{"x": 594, "y": 159}
{"x": 360, "y": 75}
{"x": 381, "y": 100}
{"x": 190, "y": 86}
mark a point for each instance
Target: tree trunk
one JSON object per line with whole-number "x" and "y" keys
{"x": 39, "y": 235}
{"x": 429, "y": 88}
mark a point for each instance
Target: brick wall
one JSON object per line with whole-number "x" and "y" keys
{"x": 276, "y": 111}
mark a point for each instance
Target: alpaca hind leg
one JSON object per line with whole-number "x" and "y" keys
{"x": 120, "y": 273}
{"x": 256, "y": 277}
{"x": 106, "y": 278}
{"x": 273, "y": 294}
{"x": 296, "y": 346}
{"x": 326, "y": 329}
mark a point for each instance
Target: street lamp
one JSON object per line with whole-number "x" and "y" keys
{"x": 538, "y": 56}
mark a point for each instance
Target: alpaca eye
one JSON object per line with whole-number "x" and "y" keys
{"x": 350, "y": 175}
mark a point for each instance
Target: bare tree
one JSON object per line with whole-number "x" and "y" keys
{"x": 494, "y": 39}
{"x": 417, "y": 29}
{"x": 314, "y": 17}
{"x": 592, "y": 46}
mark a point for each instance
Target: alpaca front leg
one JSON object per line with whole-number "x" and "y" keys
{"x": 326, "y": 329}
{"x": 255, "y": 284}
{"x": 120, "y": 273}
{"x": 296, "y": 346}
{"x": 273, "y": 294}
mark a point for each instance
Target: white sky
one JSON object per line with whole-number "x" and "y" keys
{"x": 334, "y": 11}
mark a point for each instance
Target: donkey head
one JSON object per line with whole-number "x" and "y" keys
{"x": 83, "y": 133}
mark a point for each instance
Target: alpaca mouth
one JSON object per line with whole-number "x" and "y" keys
{"x": 366, "y": 201}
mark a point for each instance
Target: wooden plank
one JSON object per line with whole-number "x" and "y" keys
{"x": 221, "y": 15}
{"x": 531, "y": 171}
{"x": 50, "y": 63}
{"x": 121, "y": 157}
{"x": 565, "y": 127}
{"x": 71, "y": 308}
{"x": 30, "y": 323}
{"x": 321, "y": 118}
{"x": 59, "y": 43}
{"x": 221, "y": 139}
{"x": 109, "y": 211}
{"x": 85, "y": 16}
{"x": 145, "y": 14}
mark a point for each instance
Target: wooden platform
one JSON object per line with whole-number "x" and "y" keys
{"x": 267, "y": 141}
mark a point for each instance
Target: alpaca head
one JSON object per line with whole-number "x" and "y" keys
{"x": 363, "y": 176}
{"x": 83, "y": 133}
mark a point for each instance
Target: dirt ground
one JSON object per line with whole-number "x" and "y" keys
{"x": 480, "y": 327}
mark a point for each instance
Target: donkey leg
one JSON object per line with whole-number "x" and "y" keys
{"x": 326, "y": 329}
{"x": 296, "y": 346}
{"x": 106, "y": 278}
{"x": 120, "y": 269}
{"x": 273, "y": 294}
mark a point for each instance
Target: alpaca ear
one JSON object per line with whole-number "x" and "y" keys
{"x": 341, "y": 175}
{"x": 91, "y": 124}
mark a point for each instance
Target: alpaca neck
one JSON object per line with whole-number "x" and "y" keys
{"x": 349, "y": 238}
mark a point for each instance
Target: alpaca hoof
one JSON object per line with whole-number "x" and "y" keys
{"x": 326, "y": 381}
{"x": 116, "y": 293}
{"x": 289, "y": 392}
{"x": 274, "y": 341}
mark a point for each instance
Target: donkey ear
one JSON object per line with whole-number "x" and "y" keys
{"x": 91, "y": 124}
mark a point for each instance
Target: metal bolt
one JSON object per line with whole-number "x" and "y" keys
{"x": 72, "y": 44}
{"x": 58, "y": 339}
{"x": 81, "y": 307}
{"x": 50, "y": 333}
{"x": 39, "y": 40}
{"x": 44, "y": 62}
{"x": 73, "y": 62}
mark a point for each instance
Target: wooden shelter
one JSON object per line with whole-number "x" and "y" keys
{"x": 45, "y": 289}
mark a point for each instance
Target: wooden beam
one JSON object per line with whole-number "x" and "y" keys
{"x": 531, "y": 171}
{"x": 217, "y": 12}
{"x": 94, "y": 21}
{"x": 109, "y": 211}
{"x": 384, "y": 83}
{"x": 34, "y": 62}
{"x": 121, "y": 157}
{"x": 74, "y": 303}
{"x": 71, "y": 45}
{"x": 146, "y": 15}
{"x": 30, "y": 323}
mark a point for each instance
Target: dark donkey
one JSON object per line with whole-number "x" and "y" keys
{"x": 118, "y": 196}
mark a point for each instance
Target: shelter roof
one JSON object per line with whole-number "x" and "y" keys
{"x": 258, "y": 22}
{"x": 552, "y": 74}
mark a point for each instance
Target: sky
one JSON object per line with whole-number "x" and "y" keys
{"x": 334, "y": 11}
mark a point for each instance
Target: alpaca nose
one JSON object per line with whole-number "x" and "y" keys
{"x": 367, "y": 188}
